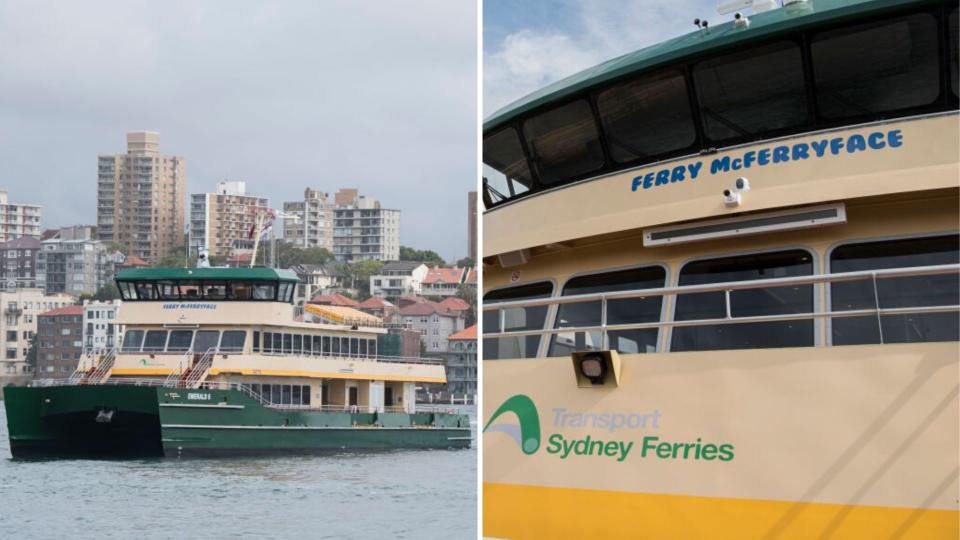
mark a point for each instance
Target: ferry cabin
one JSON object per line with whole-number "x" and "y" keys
{"x": 757, "y": 225}
{"x": 220, "y": 328}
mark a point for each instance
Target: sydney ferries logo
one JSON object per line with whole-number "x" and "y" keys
{"x": 613, "y": 444}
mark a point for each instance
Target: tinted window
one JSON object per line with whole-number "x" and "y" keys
{"x": 752, "y": 91}
{"x": 256, "y": 341}
{"x": 896, "y": 292}
{"x": 639, "y": 310}
{"x": 180, "y": 340}
{"x": 563, "y": 142}
{"x": 206, "y": 340}
{"x": 132, "y": 341}
{"x": 146, "y": 291}
{"x": 647, "y": 117}
{"x": 232, "y": 340}
{"x": 514, "y": 320}
{"x": 266, "y": 291}
{"x": 169, "y": 290}
{"x": 336, "y": 345}
{"x": 287, "y": 343}
{"x": 316, "y": 345}
{"x": 297, "y": 343}
{"x": 745, "y": 303}
{"x": 156, "y": 341}
{"x": 954, "y": 51}
{"x": 354, "y": 347}
{"x": 506, "y": 170}
{"x": 268, "y": 342}
{"x": 214, "y": 291}
{"x": 877, "y": 67}
{"x": 326, "y": 345}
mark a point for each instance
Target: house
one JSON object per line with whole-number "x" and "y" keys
{"x": 316, "y": 279}
{"x": 462, "y": 363}
{"x": 398, "y": 278}
{"x": 434, "y": 322}
{"x": 379, "y": 307}
{"x": 443, "y": 281}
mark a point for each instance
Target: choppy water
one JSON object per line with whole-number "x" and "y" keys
{"x": 419, "y": 494}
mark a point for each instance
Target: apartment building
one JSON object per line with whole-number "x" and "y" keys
{"x": 461, "y": 365}
{"x": 74, "y": 262}
{"x": 140, "y": 197}
{"x": 59, "y": 342}
{"x": 100, "y": 328}
{"x": 398, "y": 278}
{"x": 222, "y": 221}
{"x": 316, "y": 279}
{"x": 363, "y": 230}
{"x": 310, "y": 221}
{"x": 18, "y": 220}
{"x": 18, "y": 263}
{"x": 434, "y": 322}
{"x": 18, "y": 325}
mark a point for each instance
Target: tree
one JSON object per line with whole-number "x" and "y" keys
{"x": 289, "y": 255}
{"x": 468, "y": 293}
{"x": 426, "y": 256}
{"x": 360, "y": 273}
{"x": 32, "y": 353}
{"x": 117, "y": 246}
{"x": 466, "y": 262}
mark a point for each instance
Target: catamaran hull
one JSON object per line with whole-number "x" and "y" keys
{"x": 103, "y": 421}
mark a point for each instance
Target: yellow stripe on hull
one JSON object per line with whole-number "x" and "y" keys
{"x": 521, "y": 512}
{"x": 326, "y": 375}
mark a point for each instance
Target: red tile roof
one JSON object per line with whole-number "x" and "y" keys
{"x": 375, "y": 302}
{"x": 444, "y": 275}
{"x": 66, "y": 310}
{"x": 133, "y": 260}
{"x": 471, "y": 276}
{"x": 427, "y": 308}
{"x": 455, "y": 303}
{"x": 468, "y": 334}
{"x": 334, "y": 300}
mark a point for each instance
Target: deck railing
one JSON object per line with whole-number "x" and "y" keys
{"x": 726, "y": 288}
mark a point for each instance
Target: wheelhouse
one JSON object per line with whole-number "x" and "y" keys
{"x": 207, "y": 284}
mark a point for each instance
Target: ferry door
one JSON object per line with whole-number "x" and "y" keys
{"x": 388, "y": 396}
{"x": 353, "y": 396}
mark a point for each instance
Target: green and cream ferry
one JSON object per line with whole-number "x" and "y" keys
{"x": 214, "y": 361}
{"x": 721, "y": 285}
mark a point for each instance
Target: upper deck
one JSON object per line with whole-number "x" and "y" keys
{"x": 820, "y": 101}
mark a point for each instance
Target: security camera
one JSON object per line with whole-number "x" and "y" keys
{"x": 741, "y": 184}
{"x": 731, "y": 198}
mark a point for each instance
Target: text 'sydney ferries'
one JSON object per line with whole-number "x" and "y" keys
{"x": 822, "y": 148}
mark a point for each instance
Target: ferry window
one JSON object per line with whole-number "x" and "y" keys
{"x": 745, "y": 303}
{"x": 564, "y": 142}
{"x": 316, "y": 345}
{"x": 506, "y": 169}
{"x": 156, "y": 341}
{"x": 297, "y": 343}
{"x": 205, "y": 340}
{"x": 232, "y": 341}
{"x": 362, "y": 351}
{"x": 239, "y": 291}
{"x": 336, "y": 345}
{"x": 169, "y": 290}
{"x": 515, "y": 319}
{"x": 285, "y": 397}
{"x": 268, "y": 342}
{"x": 180, "y": 340}
{"x": 954, "y": 55}
{"x": 354, "y": 347}
{"x": 295, "y": 394}
{"x": 132, "y": 340}
{"x": 903, "y": 292}
{"x": 647, "y": 117}
{"x": 190, "y": 290}
{"x": 256, "y": 342}
{"x": 264, "y": 291}
{"x": 284, "y": 291}
{"x": 877, "y": 67}
{"x": 305, "y": 395}
{"x": 146, "y": 290}
{"x": 214, "y": 291}
{"x": 326, "y": 345}
{"x": 752, "y": 91}
{"x": 287, "y": 343}
{"x": 126, "y": 290}
{"x": 307, "y": 341}
{"x": 372, "y": 349}
{"x": 637, "y": 310}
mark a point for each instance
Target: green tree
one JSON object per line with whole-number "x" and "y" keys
{"x": 466, "y": 262}
{"x": 289, "y": 255}
{"x": 468, "y": 293}
{"x": 32, "y": 353}
{"x": 360, "y": 273}
{"x": 427, "y": 257}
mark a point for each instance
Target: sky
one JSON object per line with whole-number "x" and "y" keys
{"x": 528, "y": 44}
{"x": 376, "y": 95}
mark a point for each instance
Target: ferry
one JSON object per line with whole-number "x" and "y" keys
{"x": 722, "y": 284}
{"x": 214, "y": 362}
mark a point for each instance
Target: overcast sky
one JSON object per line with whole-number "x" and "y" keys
{"x": 283, "y": 95}
{"x": 531, "y": 43}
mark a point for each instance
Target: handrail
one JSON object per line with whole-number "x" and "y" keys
{"x": 102, "y": 369}
{"x": 604, "y": 328}
{"x": 199, "y": 369}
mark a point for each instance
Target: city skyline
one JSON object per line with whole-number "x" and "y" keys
{"x": 381, "y": 110}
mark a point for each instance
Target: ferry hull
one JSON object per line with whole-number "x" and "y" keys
{"x": 104, "y": 421}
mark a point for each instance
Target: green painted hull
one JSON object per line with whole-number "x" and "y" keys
{"x": 138, "y": 421}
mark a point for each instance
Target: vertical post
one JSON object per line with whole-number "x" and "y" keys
{"x": 603, "y": 323}
{"x": 726, "y": 300}
{"x": 876, "y": 307}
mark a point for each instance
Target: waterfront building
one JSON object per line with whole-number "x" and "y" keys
{"x": 59, "y": 341}
{"x": 363, "y": 230}
{"x": 316, "y": 279}
{"x": 140, "y": 197}
{"x": 18, "y": 263}
{"x": 399, "y": 278}
{"x": 434, "y": 322}
{"x": 18, "y": 325}
{"x": 223, "y": 221}
{"x": 309, "y": 223}
{"x": 100, "y": 327}
{"x": 18, "y": 220}
{"x": 73, "y": 262}
{"x": 472, "y": 225}
{"x": 443, "y": 281}
{"x": 462, "y": 362}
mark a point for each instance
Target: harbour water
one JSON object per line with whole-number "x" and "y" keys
{"x": 419, "y": 494}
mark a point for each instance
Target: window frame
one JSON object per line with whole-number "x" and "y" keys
{"x": 548, "y": 316}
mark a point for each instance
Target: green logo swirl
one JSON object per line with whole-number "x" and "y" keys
{"x": 528, "y": 434}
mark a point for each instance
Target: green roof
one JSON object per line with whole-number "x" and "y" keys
{"x": 696, "y": 43}
{"x": 212, "y": 274}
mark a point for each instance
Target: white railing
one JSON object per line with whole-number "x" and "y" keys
{"x": 726, "y": 288}
{"x": 199, "y": 370}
